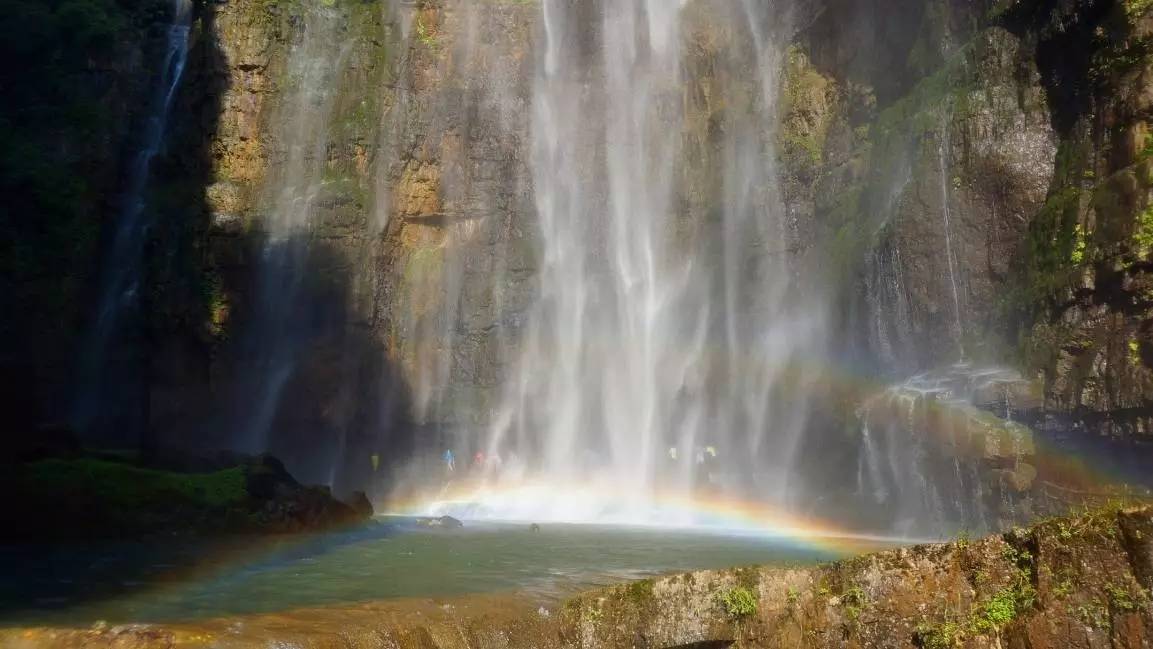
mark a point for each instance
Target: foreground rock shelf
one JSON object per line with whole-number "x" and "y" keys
{"x": 1077, "y": 582}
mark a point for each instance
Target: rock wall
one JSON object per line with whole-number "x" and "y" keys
{"x": 418, "y": 240}
{"x": 1083, "y": 308}
{"x": 922, "y": 196}
{"x": 74, "y": 78}
{"x": 989, "y": 206}
{"x": 976, "y": 187}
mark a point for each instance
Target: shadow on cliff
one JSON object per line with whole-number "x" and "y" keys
{"x": 304, "y": 376}
{"x": 258, "y": 345}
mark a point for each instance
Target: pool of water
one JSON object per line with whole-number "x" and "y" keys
{"x": 390, "y": 558}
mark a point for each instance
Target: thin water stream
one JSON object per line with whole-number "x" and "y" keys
{"x": 103, "y": 388}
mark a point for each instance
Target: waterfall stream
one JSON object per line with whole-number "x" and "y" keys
{"x": 927, "y": 443}
{"x": 119, "y": 311}
{"x": 943, "y": 153}
{"x": 655, "y": 358}
{"x": 285, "y": 313}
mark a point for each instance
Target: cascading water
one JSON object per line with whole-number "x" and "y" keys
{"x": 653, "y": 360}
{"x": 942, "y": 156}
{"x": 283, "y": 321}
{"x": 930, "y": 445}
{"x": 101, "y": 389}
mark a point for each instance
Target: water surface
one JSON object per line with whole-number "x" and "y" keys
{"x": 392, "y": 558}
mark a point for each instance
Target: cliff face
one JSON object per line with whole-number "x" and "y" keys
{"x": 74, "y": 73}
{"x": 974, "y": 188}
{"x": 1085, "y": 281}
{"x": 994, "y": 200}
{"x": 403, "y": 128}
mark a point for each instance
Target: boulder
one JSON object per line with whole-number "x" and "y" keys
{"x": 361, "y": 504}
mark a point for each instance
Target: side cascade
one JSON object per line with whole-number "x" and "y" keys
{"x": 941, "y": 454}
{"x": 103, "y": 393}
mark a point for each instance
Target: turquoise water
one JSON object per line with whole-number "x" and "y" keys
{"x": 169, "y": 582}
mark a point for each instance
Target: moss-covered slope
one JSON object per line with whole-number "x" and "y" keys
{"x": 85, "y": 498}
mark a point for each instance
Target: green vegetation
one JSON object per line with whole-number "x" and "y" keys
{"x": 793, "y": 596}
{"x": 808, "y": 107}
{"x": 94, "y": 497}
{"x": 990, "y": 616}
{"x": 1094, "y": 614}
{"x": 738, "y": 602}
{"x": 999, "y": 611}
{"x": 424, "y": 33}
{"x": 1123, "y": 599}
{"x": 854, "y": 602}
{"x": 1143, "y": 237}
{"x": 126, "y": 486}
{"x": 640, "y": 592}
{"x": 1078, "y": 255}
{"x": 938, "y": 636}
{"x": 1136, "y": 8}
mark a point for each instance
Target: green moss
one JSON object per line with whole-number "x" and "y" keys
{"x": 1079, "y": 245}
{"x": 93, "y": 498}
{"x": 1143, "y": 234}
{"x": 738, "y": 602}
{"x": 1134, "y": 9}
{"x": 808, "y": 112}
{"x": 425, "y": 33}
{"x": 1056, "y": 245}
{"x": 924, "y": 108}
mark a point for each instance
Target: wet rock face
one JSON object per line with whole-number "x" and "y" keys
{"x": 456, "y": 261}
{"x": 418, "y": 255}
{"x": 933, "y": 184}
{"x": 942, "y": 452}
{"x": 1085, "y": 264}
{"x": 925, "y": 198}
{"x": 993, "y": 207}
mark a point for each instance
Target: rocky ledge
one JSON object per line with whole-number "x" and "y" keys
{"x": 1076, "y": 582}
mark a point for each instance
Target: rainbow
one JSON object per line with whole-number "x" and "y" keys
{"x": 574, "y": 503}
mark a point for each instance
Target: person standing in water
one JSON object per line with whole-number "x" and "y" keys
{"x": 449, "y": 461}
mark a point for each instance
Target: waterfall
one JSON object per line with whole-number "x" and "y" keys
{"x": 119, "y": 311}
{"x": 942, "y": 156}
{"x": 285, "y": 319}
{"x": 656, "y": 357}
